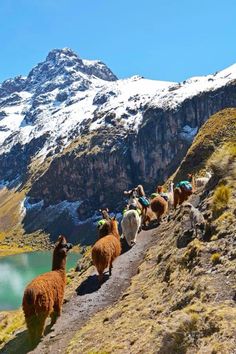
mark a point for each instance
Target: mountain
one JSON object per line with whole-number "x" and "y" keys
{"x": 73, "y": 136}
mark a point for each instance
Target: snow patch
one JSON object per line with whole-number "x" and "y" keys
{"x": 188, "y": 133}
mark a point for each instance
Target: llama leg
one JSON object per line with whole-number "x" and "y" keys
{"x": 176, "y": 198}
{"x": 32, "y": 330}
{"x": 55, "y": 314}
{"x": 41, "y": 325}
{"x": 110, "y": 268}
{"x": 100, "y": 277}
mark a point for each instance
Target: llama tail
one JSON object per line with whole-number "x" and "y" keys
{"x": 29, "y": 301}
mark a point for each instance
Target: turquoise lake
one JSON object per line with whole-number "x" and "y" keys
{"x": 18, "y": 270}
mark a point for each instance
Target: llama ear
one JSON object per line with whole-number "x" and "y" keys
{"x": 60, "y": 239}
{"x": 107, "y": 210}
{"x": 114, "y": 217}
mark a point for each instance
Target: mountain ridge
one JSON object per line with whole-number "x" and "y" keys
{"x": 71, "y": 134}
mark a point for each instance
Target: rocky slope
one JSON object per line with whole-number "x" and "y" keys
{"x": 70, "y": 129}
{"x": 182, "y": 299}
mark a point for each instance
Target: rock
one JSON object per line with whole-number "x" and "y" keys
{"x": 185, "y": 238}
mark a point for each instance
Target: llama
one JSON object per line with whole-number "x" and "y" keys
{"x": 132, "y": 194}
{"x": 148, "y": 216}
{"x": 196, "y": 218}
{"x": 144, "y": 202}
{"x": 106, "y": 250}
{"x": 44, "y": 295}
{"x": 104, "y": 228}
{"x": 170, "y": 195}
{"x": 159, "y": 206}
{"x": 160, "y": 191}
{"x": 140, "y": 191}
{"x": 202, "y": 181}
{"x": 104, "y": 225}
{"x": 181, "y": 194}
{"x": 105, "y": 214}
{"x": 131, "y": 224}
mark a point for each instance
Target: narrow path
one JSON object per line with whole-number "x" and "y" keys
{"x": 91, "y": 299}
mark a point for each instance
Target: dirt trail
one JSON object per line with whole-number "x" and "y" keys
{"x": 90, "y": 299}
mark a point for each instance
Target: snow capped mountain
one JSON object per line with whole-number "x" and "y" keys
{"x": 62, "y": 93}
{"x": 74, "y": 137}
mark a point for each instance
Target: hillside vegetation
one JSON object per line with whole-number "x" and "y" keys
{"x": 183, "y": 298}
{"x": 218, "y": 131}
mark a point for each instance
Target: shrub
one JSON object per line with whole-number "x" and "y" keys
{"x": 215, "y": 258}
{"x": 221, "y": 199}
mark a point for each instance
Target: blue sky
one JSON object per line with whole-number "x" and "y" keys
{"x": 158, "y": 39}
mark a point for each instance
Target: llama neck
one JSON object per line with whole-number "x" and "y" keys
{"x": 140, "y": 191}
{"x": 105, "y": 215}
{"x": 171, "y": 188}
{"x": 59, "y": 264}
{"x": 114, "y": 231}
{"x": 132, "y": 200}
{"x": 193, "y": 182}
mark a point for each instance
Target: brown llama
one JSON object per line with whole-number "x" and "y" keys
{"x": 104, "y": 228}
{"x": 159, "y": 206}
{"x": 191, "y": 179}
{"x": 147, "y": 216}
{"x": 44, "y": 295}
{"x": 140, "y": 193}
{"x": 104, "y": 225}
{"x": 106, "y": 250}
{"x": 105, "y": 214}
{"x": 181, "y": 194}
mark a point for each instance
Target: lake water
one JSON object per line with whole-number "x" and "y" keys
{"x": 18, "y": 270}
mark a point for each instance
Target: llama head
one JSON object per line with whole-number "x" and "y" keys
{"x": 60, "y": 252}
{"x": 159, "y": 189}
{"x": 104, "y": 209}
{"x": 140, "y": 190}
{"x": 190, "y": 177}
{"x": 104, "y": 213}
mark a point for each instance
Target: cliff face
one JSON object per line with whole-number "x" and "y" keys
{"x": 99, "y": 166}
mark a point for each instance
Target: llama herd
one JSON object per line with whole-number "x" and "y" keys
{"x": 44, "y": 295}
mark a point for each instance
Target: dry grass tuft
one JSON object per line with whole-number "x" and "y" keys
{"x": 221, "y": 199}
{"x": 215, "y": 258}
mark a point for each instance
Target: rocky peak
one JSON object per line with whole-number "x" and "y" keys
{"x": 9, "y": 86}
{"x": 64, "y": 55}
{"x": 63, "y": 67}
{"x": 98, "y": 69}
